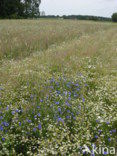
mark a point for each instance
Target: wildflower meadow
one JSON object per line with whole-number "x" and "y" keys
{"x": 58, "y": 84}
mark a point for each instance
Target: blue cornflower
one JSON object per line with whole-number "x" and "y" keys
{"x": 41, "y": 100}
{"x": 74, "y": 118}
{"x": 17, "y": 110}
{"x": 107, "y": 123}
{"x": 5, "y": 124}
{"x": 68, "y": 111}
{"x": 114, "y": 130}
{"x": 65, "y": 93}
{"x": 57, "y": 83}
{"x": 60, "y": 120}
{"x": 13, "y": 112}
{"x": 57, "y": 103}
{"x": 52, "y": 80}
{"x": 99, "y": 131}
{"x": 105, "y": 153}
{"x": 1, "y": 117}
{"x": 68, "y": 104}
{"x": 76, "y": 84}
{"x": 19, "y": 123}
{"x": 34, "y": 129}
{"x": 51, "y": 87}
{"x": 58, "y": 92}
{"x": 109, "y": 139}
{"x": 3, "y": 139}
{"x": 69, "y": 93}
{"x": 59, "y": 109}
{"x": 78, "y": 89}
{"x": 83, "y": 100}
{"x": 7, "y": 108}
{"x": 35, "y": 116}
{"x": 79, "y": 107}
{"x": 67, "y": 117}
{"x": 69, "y": 98}
{"x": 39, "y": 126}
{"x": 96, "y": 136}
{"x": 110, "y": 132}
{"x": 29, "y": 121}
{"x": 39, "y": 114}
{"x": 1, "y": 128}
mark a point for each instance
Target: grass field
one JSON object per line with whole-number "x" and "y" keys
{"x": 58, "y": 84}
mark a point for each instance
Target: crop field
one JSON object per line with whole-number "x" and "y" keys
{"x": 58, "y": 87}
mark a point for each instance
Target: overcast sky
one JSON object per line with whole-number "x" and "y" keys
{"x": 79, "y": 7}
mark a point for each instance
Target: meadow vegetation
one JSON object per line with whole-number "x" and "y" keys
{"x": 57, "y": 86}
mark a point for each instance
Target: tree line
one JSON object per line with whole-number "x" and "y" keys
{"x": 19, "y": 8}
{"x": 84, "y": 17}
{"x": 79, "y": 17}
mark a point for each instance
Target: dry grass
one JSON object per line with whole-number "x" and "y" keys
{"x": 77, "y": 41}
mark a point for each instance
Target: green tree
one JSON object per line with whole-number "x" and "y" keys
{"x": 114, "y": 17}
{"x": 10, "y": 8}
{"x": 32, "y": 8}
{"x": 19, "y": 8}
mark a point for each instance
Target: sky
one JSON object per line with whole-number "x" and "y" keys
{"x": 79, "y": 7}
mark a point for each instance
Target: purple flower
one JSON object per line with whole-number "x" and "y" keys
{"x": 96, "y": 136}
{"x": 83, "y": 100}
{"x": 99, "y": 131}
{"x": 39, "y": 114}
{"x": 78, "y": 89}
{"x": 5, "y": 124}
{"x": 13, "y": 112}
{"x": 34, "y": 129}
{"x": 29, "y": 121}
{"x": 69, "y": 98}
{"x": 3, "y": 139}
{"x": 110, "y": 132}
{"x": 57, "y": 103}
{"x": 74, "y": 118}
{"x": 39, "y": 126}
{"x": 68, "y": 104}
{"x": 67, "y": 117}
{"x": 1, "y": 117}
{"x": 77, "y": 85}
{"x": 59, "y": 109}
{"x": 60, "y": 120}
{"x": 105, "y": 153}
{"x": 7, "y": 108}
{"x": 19, "y": 123}
{"x": 68, "y": 111}
{"x": 1, "y": 128}
{"x": 114, "y": 130}
{"x": 107, "y": 123}
{"x": 17, "y": 110}
{"x": 109, "y": 139}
